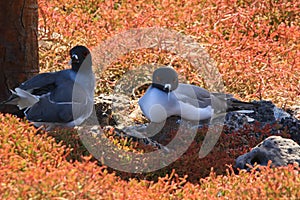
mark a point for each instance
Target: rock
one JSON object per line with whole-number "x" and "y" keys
{"x": 120, "y": 110}
{"x": 266, "y": 114}
{"x": 235, "y": 121}
{"x": 281, "y": 151}
{"x": 296, "y": 111}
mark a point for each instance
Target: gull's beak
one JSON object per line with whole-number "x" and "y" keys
{"x": 167, "y": 87}
{"x": 74, "y": 59}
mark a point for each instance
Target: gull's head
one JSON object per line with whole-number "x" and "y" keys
{"x": 79, "y": 55}
{"x": 165, "y": 78}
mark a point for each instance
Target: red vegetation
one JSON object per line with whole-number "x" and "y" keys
{"x": 256, "y": 47}
{"x": 34, "y": 166}
{"x": 257, "y": 39}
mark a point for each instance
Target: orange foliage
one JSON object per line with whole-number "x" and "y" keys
{"x": 34, "y": 166}
{"x": 257, "y": 39}
{"x": 256, "y": 47}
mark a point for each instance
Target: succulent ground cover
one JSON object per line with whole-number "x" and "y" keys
{"x": 255, "y": 45}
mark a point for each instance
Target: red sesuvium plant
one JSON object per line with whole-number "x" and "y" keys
{"x": 34, "y": 166}
{"x": 257, "y": 51}
{"x": 247, "y": 39}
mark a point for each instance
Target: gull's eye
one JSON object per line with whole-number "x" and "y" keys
{"x": 85, "y": 53}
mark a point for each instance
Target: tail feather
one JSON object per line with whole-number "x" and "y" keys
{"x": 22, "y": 99}
{"x": 226, "y": 103}
{"x": 234, "y": 104}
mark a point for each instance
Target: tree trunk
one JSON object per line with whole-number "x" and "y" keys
{"x": 18, "y": 45}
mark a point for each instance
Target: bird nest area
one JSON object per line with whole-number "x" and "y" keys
{"x": 119, "y": 86}
{"x": 125, "y": 80}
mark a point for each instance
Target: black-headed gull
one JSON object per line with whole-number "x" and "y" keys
{"x": 62, "y": 98}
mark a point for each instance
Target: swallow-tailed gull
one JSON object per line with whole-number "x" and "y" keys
{"x": 62, "y": 98}
{"x": 166, "y": 97}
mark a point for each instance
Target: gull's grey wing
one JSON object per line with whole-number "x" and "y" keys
{"x": 49, "y": 111}
{"x": 194, "y": 95}
{"x": 39, "y": 81}
{"x": 221, "y": 102}
{"x": 64, "y": 92}
{"x": 60, "y": 106}
{"x": 37, "y": 85}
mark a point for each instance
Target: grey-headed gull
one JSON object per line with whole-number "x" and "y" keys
{"x": 62, "y": 98}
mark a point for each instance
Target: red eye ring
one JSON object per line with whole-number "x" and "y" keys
{"x": 85, "y": 53}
